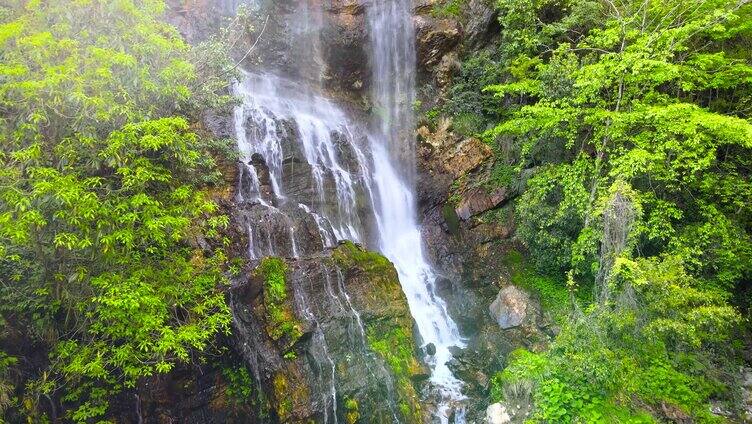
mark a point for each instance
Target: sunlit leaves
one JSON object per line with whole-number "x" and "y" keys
{"x": 101, "y": 197}
{"x": 653, "y": 98}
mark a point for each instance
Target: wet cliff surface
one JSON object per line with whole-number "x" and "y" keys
{"x": 323, "y": 327}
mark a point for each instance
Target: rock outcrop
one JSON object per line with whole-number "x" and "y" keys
{"x": 349, "y": 339}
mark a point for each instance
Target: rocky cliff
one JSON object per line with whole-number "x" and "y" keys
{"x": 325, "y": 330}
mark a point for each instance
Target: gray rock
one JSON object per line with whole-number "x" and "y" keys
{"x": 511, "y": 307}
{"x": 435, "y": 38}
{"x": 482, "y": 23}
{"x": 497, "y": 414}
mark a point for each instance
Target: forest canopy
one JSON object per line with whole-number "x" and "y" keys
{"x": 629, "y": 125}
{"x": 110, "y": 255}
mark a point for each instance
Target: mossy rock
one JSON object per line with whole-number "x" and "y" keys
{"x": 281, "y": 323}
{"x": 379, "y": 290}
{"x": 292, "y": 396}
{"x": 378, "y": 296}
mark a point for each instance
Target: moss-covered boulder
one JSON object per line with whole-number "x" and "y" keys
{"x": 330, "y": 334}
{"x": 374, "y": 288}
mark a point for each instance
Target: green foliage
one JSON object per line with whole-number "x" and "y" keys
{"x": 633, "y": 120}
{"x": 502, "y": 175}
{"x": 626, "y": 101}
{"x": 239, "y": 384}
{"x": 552, "y": 213}
{"x": 468, "y": 124}
{"x": 103, "y": 194}
{"x": 555, "y": 297}
{"x": 448, "y": 9}
{"x": 6, "y": 387}
{"x": 650, "y": 350}
{"x": 472, "y": 111}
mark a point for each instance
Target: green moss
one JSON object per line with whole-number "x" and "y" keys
{"x": 396, "y": 347}
{"x": 351, "y": 411}
{"x": 553, "y": 293}
{"x": 281, "y": 393}
{"x": 448, "y": 9}
{"x": 390, "y": 337}
{"x": 291, "y": 393}
{"x": 456, "y": 190}
{"x": 451, "y": 218}
{"x": 281, "y": 321}
{"x": 349, "y": 255}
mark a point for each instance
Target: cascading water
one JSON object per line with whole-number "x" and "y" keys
{"x": 393, "y": 91}
{"x": 269, "y": 102}
{"x": 359, "y": 184}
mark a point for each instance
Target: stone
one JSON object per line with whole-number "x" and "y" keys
{"x": 449, "y": 66}
{"x": 477, "y": 201}
{"x": 343, "y": 42}
{"x": 331, "y": 293}
{"x": 466, "y": 156}
{"x": 431, "y": 349}
{"x": 435, "y": 38}
{"x": 482, "y": 23}
{"x": 497, "y": 414}
{"x": 510, "y": 308}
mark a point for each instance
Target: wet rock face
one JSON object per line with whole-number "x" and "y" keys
{"x": 482, "y": 24}
{"x": 197, "y": 19}
{"x": 344, "y": 40}
{"x": 190, "y": 394}
{"x": 478, "y": 201}
{"x": 353, "y": 350}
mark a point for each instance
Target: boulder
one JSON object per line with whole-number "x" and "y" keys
{"x": 497, "y": 414}
{"x": 350, "y": 324}
{"x": 466, "y": 156}
{"x": 451, "y": 154}
{"x": 511, "y": 307}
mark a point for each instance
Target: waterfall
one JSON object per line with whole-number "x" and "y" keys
{"x": 300, "y": 153}
{"x": 393, "y": 91}
{"x": 276, "y": 111}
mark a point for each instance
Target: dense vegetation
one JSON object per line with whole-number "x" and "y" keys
{"x": 623, "y": 127}
{"x": 628, "y": 125}
{"x": 111, "y": 262}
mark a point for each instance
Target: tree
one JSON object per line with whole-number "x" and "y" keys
{"x": 102, "y": 196}
{"x": 645, "y": 106}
